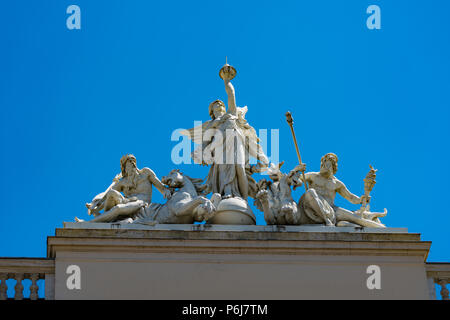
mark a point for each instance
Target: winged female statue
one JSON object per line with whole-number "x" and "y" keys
{"x": 226, "y": 143}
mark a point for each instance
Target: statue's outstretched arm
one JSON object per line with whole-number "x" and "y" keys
{"x": 231, "y": 97}
{"x": 116, "y": 185}
{"x": 157, "y": 183}
{"x": 344, "y": 192}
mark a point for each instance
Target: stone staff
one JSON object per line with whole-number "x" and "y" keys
{"x": 290, "y": 121}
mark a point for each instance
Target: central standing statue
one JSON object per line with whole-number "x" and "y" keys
{"x": 226, "y": 143}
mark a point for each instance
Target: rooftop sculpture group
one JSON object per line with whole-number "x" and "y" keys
{"x": 226, "y": 143}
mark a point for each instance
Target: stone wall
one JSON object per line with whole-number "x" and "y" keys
{"x": 237, "y": 262}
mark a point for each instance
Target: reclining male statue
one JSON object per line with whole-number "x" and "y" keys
{"x": 317, "y": 204}
{"x": 136, "y": 186}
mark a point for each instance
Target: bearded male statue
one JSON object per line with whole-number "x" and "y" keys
{"x": 130, "y": 191}
{"x": 317, "y": 204}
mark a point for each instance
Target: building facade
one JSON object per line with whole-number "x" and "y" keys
{"x": 117, "y": 261}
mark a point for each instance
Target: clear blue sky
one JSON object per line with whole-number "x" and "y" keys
{"x": 74, "y": 101}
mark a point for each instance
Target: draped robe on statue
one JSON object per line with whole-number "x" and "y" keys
{"x": 227, "y": 143}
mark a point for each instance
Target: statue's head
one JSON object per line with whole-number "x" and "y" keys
{"x": 328, "y": 163}
{"x": 127, "y": 162}
{"x": 174, "y": 179}
{"x": 274, "y": 171}
{"x": 217, "y": 109}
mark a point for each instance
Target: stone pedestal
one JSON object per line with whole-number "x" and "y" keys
{"x": 237, "y": 262}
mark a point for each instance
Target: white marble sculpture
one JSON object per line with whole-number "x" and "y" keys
{"x": 275, "y": 199}
{"x": 364, "y": 212}
{"x": 226, "y": 143}
{"x": 317, "y": 204}
{"x": 130, "y": 192}
{"x": 186, "y": 205}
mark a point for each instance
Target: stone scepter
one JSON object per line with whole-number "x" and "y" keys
{"x": 290, "y": 121}
{"x": 369, "y": 183}
{"x": 364, "y": 211}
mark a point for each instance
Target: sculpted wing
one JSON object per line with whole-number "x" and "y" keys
{"x": 196, "y": 133}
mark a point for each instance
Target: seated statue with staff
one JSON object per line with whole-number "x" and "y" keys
{"x": 316, "y": 206}
{"x": 317, "y": 203}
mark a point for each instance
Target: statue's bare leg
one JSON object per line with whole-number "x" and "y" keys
{"x": 319, "y": 207}
{"x": 374, "y": 216}
{"x": 122, "y": 211}
{"x": 113, "y": 198}
{"x": 117, "y": 206}
{"x": 348, "y": 216}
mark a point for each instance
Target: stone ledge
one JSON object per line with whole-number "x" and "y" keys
{"x": 241, "y": 247}
{"x": 438, "y": 270}
{"x": 212, "y": 239}
{"x": 227, "y": 235}
{"x": 233, "y": 232}
{"x": 231, "y": 228}
{"x": 26, "y": 265}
